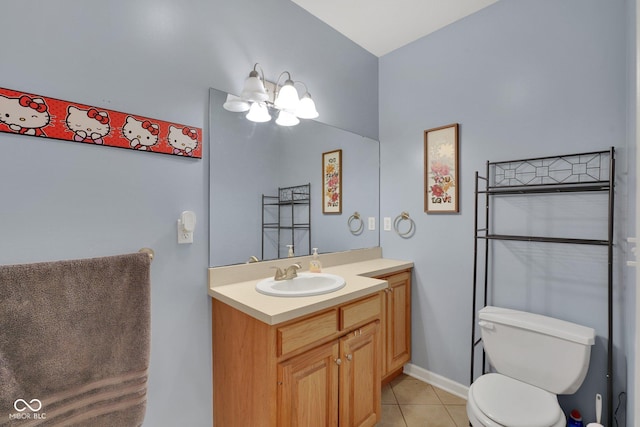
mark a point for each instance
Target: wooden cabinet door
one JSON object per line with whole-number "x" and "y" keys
{"x": 360, "y": 377}
{"x": 308, "y": 388}
{"x": 397, "y": 339}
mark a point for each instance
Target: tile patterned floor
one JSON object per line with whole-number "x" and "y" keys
{"x": 408, "y": 402}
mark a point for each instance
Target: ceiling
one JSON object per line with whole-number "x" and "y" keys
{"x": 381, "y": 26}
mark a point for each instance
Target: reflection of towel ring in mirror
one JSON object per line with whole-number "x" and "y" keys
{"x": 396, "y": 225}
{"x": 355, "y": 223}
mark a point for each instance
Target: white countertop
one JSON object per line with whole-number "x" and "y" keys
{"x": 273, "y": 310}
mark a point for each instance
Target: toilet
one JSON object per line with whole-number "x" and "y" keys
{"x": 534, "y": 358}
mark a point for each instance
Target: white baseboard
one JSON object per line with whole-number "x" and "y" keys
{"x": 439, "y": 381}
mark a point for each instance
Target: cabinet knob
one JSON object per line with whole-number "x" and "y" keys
{"x": 338, "y": 361}
{"x": 349, "y": 357}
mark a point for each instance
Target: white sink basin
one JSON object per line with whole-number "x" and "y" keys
{"x": 306, "y": 284}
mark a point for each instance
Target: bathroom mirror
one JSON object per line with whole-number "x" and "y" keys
{"x": 249, "y": 160}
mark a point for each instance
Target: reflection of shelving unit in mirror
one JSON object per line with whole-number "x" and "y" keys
{"x": 286, "y": 218}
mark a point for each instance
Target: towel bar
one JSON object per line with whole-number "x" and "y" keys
{"x": 148, "y": 251}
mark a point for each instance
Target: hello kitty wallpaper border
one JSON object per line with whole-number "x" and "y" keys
{"x": 36, "y": 115}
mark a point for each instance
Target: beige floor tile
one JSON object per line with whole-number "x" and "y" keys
{"x": 448, "y": 398}
{"x": 387, "y": 395}
{"x": 409, "y": 402}
{"x": 410, "y": 391}
{"x": 458, "y": 414}
{"x": 426, "y": 416}
{"x": 400, "y": 378}
{"x": 391, "y": 417}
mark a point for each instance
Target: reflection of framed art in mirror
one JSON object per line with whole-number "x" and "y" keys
{"x": 332, "y": 182}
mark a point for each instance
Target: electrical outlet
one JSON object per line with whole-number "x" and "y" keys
{"x": 184, "y": 236}
{"x": 372, "y": 223}
{"x": 387, "y": 223}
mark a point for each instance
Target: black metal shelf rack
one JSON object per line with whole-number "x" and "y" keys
{"x": 289, "y": 200}
{"x": 573, "y": 173}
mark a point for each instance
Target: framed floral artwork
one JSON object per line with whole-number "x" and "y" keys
{"x": 332, "y": 182}
{"x": 441, "y": 169}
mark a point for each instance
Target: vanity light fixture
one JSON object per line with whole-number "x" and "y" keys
{"x": 258, "y": 96}
{"x": 254, "y": 90}
{"x": 258, "y": 113}
{"x": 287, "y": 98}
{"x": 306, "y": 107}
{"x": 286, "y": 118}
{"x": 236, "y": 104}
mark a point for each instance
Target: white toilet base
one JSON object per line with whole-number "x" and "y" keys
{"x": 478, "y": 419}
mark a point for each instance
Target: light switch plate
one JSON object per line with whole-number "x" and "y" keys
{"x": 387, "y": 223}
{"x": 372, "y": 223}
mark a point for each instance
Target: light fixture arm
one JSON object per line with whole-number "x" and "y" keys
{"x": 282, "y": 74}
{"x": 306, "y": 93}
{"x": 254, "y": 73}
{"x": 306, "y": 90}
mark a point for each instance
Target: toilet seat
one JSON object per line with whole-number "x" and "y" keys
{"x": 498, "y": 400}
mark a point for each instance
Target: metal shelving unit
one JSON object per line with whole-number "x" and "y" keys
{"x": 573, "y": 173}
{"x": 294, "y": 201}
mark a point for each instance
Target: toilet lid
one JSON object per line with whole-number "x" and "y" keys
{"x": 513, "y": 403}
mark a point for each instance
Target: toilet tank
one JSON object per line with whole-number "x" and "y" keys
{"x": 549, "y": 353}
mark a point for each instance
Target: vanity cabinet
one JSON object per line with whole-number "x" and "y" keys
{"x": 335, "y": 384}
{"x": 396, "y": 324}
{"x": 308, "y": 388}
{"x": 360, "y": 391}
{"x": 321, "y": 370}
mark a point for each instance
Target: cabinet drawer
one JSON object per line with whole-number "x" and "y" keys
{"x": 360, "y": 311}
{"x": 297, "y": 335}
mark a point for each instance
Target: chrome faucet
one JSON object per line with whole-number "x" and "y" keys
{"x": 289, "y": 273}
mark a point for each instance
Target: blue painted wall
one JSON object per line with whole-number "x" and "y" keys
{"x": 523, "y": 79}
{"x": 63, "y": 200}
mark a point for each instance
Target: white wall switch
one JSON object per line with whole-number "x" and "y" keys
{"x": 387, "y": 223}
{"x": 372, "y": 223}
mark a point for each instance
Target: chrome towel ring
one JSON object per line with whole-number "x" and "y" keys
{"x": 355, "y": 223}
{"x": 404, "y": 216}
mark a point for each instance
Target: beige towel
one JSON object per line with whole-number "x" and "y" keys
{"x": 74, "y": 342}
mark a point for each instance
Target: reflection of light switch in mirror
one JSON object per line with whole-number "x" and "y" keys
{"x": 186, "y": 225}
